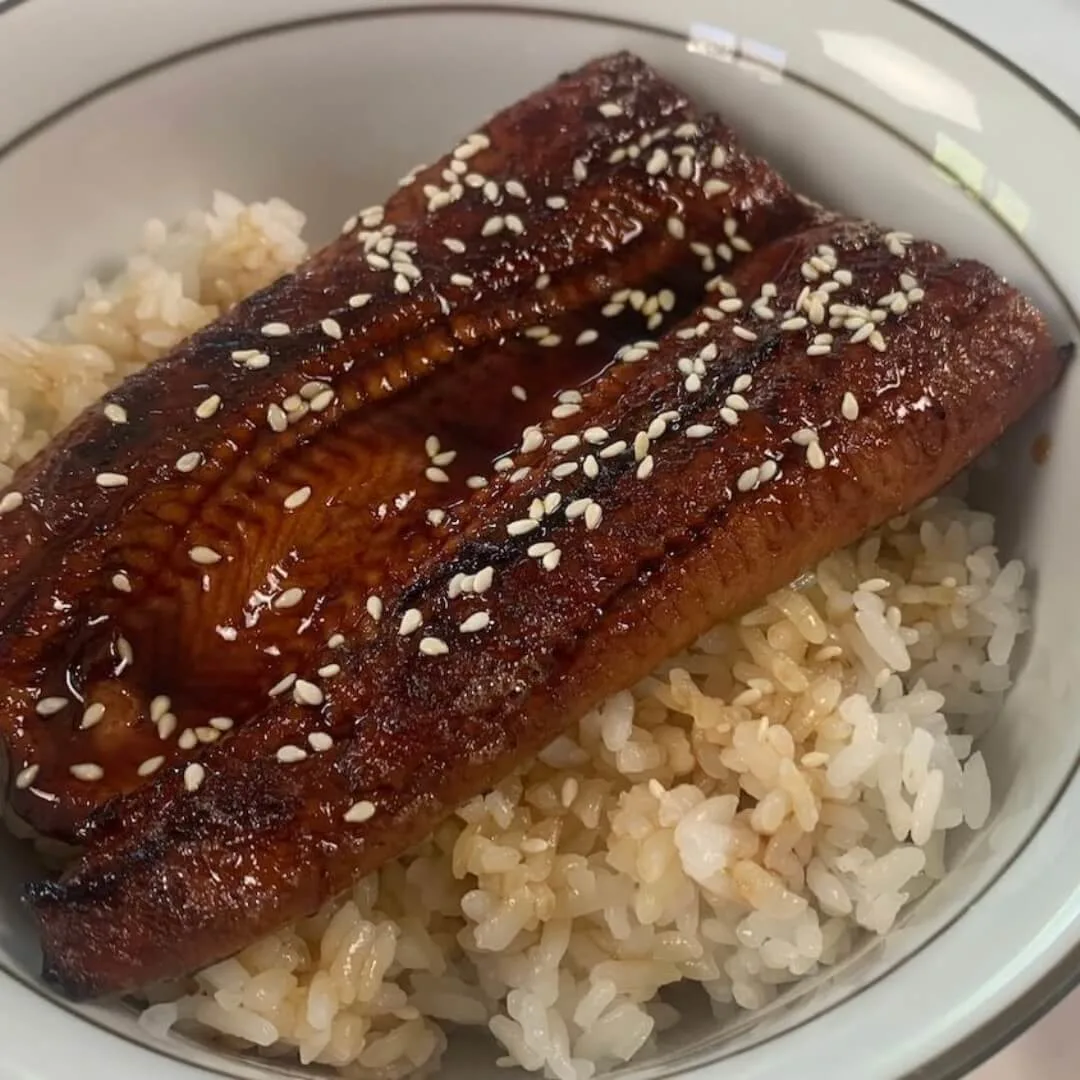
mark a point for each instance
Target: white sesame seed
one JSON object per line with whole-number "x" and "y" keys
{"x": 323, "y": 400}
{"x": 121, "y": 582}
{"x": 283, "y": 685}
{"x": 804, "y": 436}
{"x": 767, "y": 470}
{"x": 658, "y": 162}
{"x": 289, "y": 598}
{"x": 276, "y": 418}
{"x": 614, "y": 449}
{"x": 744, "y": 333}
{"x": 476, "y": 483}
{"x": 151, "y": 765}
{"x": 335, "y": 641}
{"x": 748, "y": 479}
{"x": 187, "y": 740}
{"x": 433, "y": 646}
{"x": 482, "y": 579}
{"x": 307, "y": 693}
{"x": 493, "y": 226}
{"x": 562, "y": 412}
{"x": 208, "y": 406}
{"x": 862, "y": 333}
{"x": 519, "y": 392}
{"x": 358, "y": 300}
{"x": 737, "y": 402}
{"x": 436, "y": 475}
{"x": 514, "y": 224}
{"x": 815, "y": 456}
{"x": 531, "y": 439}
{"x": 159, "y": 706}
{"x": 111, "y": 480}
{"x": 645, "y": 467}
{"x": 715, "y": 187}
{"x": 115, "y": 414}
{"x": 27, "y": 776}
{"x": 555, "y": 202}
{"x": 454, "y": 245}
{"x": 609, "y": 109}
{"x": 276, "y": 329}
{"x": 320, "y": 742}
{"x": 699, "y": 431}
{"x": 478, "y": 620}
{"x": 188, "y": 462}
{"x": 849, "y": 407}
{"x": 595, "y": 436}
{"x": 676, "y": 227}
{"x": 578, "y": 507}
{"x": 521, "y": 527}
{"x": 166, "y": 726}
{"x": 401, "y": 283}
{"x": 410, "y": 622}
{"x": 537, "y": 551}
{"x": 877, "y": 342}
{"x": 49, "y": 706}
{"x": 289, "y": 755}
{"x": 203, "y": 556}
{"x": 609, "y": 311}
{"x": 331, "y": 328}
{"x": 360, "y": 812}
{"x": 797, "y": 322}
{"x": 374, "y": 607}
{"x": 463, "y": 280}
{"x": 297, "y": 498}
{"x": 593, "y": 516}
{"x": 11, "y": 501}
{"x": 579, "y": 170}
{"x": 221, "y": 723}
{"x": 566, "y": 442}
{"x": 567, "y": 468}
{"x": 87, "y": 771}
{"x": 551, "y": 559}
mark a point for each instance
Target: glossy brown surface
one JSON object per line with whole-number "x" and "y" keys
{"x": 209, "y": 641}
{"x": 710, "y": 466}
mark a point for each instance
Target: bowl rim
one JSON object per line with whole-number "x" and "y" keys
{"x": 1011, "y": 1019}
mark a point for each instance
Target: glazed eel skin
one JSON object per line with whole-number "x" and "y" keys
{"x": 829, "y": 376}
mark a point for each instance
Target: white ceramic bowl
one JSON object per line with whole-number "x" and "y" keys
{"x": 111, "y": 112}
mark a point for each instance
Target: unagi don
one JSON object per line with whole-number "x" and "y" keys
{"x": 593, "y": 381}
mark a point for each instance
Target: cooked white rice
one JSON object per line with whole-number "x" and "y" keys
{"x": 739, "y": 819}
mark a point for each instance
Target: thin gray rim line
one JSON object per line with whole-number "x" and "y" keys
{"x": 1068, "y": 970}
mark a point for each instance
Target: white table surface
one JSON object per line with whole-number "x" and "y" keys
{"x": 1040, "y": 36}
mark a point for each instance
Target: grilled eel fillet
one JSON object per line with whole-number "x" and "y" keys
{"x": 836, "y": 376}
{"x": 160, "y": 569}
